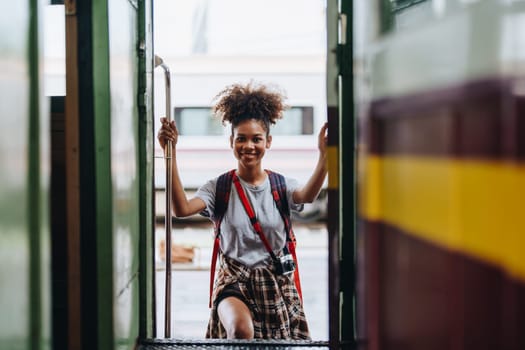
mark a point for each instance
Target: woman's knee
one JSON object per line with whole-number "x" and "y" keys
{"x": 236, "y": 318}
{"x": 241, "y": 330}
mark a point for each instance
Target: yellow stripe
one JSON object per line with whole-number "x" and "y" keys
{"x": 474, "y": 207}
{"x": 333, "y": 167}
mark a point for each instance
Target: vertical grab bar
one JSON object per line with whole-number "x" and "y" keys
{"x": 167, "y": 246}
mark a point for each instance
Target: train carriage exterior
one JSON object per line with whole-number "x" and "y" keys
{"x": 441, "y": 176}
{"x": 436, "y": 88}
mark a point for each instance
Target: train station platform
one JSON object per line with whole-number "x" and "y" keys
{"x": 190, "y": 282}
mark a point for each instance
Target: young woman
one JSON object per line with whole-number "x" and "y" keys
{"x": 251, "y": 299}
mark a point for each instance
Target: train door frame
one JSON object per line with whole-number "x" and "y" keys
{"x": 341, "y": 174}
{"x": 147, "y": 302}
{"x": 72, "y": 175}
{"x": 340, "y": 184}
{"x": 87, "y": 317}
{"x": 341, "y": 180}
{"x": 348, "y": 195}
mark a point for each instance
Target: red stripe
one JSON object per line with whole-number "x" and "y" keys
{"x": 291, "y": 248}
{"x": 213, "y": 263}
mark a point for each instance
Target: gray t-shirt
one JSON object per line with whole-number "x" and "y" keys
{"x": 239, "y": 240}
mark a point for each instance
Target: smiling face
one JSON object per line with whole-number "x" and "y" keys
{"x": 249, "y": 143}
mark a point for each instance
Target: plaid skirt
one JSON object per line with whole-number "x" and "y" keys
{"x": 276, "y": 308}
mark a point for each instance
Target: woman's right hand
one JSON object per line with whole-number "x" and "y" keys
{"x": 168, "y": 132}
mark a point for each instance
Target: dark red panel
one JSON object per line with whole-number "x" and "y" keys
{"x": 416, "y": 295}
{"x": 480, "y": 119}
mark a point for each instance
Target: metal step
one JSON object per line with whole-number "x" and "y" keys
{"x": 233, "y": 344}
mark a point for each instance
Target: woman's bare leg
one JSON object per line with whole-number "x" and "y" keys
{"x": 236, "y": 318}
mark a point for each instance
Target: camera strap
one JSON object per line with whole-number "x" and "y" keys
{"x": 251, "y": 214}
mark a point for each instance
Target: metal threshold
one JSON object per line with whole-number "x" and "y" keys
{"x": 226, "y": 344}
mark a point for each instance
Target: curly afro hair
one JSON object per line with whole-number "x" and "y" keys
{"x": 240, "y": 102}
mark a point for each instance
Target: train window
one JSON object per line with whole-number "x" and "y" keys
{"x": 296, "y": 121}
{"x": 198, "y": 121}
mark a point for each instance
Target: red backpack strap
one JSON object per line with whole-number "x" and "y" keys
{"x": 222, "y": 197}
{"x": 278, "y": 186}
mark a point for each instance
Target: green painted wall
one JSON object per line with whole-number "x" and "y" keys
{"x": 124, "y": 168}
{"x": 113, "y": 146}
{"x": 115, "y": 67}
{"x": 14, "y": 240}
{"x": 39, "y": 188}
{"x": 24, "y": 242}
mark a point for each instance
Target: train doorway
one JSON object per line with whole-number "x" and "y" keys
{"x": 208, "y": 46}
{"x": 110, "y": 143}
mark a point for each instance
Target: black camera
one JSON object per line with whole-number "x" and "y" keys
{"x": 284, "y": 265}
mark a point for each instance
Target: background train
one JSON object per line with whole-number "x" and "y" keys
{"x": 425, "y": 104}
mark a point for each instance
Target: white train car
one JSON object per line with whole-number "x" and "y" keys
{"x": 203, "y": 148}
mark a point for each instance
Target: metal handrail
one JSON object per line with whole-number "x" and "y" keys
{"x": 167, "y": 216}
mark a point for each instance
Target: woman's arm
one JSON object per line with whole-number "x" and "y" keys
{"x": 309, "y": 192}
{"x": 182, "y": 207}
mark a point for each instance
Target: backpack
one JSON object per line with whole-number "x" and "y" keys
{"x": 222, "y": 197}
